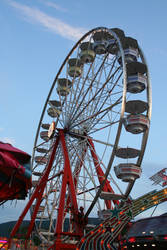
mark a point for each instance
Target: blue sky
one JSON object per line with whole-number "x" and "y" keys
{"x": 35, "y": 37}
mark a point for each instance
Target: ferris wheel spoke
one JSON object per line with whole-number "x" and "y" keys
{"x": 75, "y": 94}
{"x": 95, "y": 116}
{"x": 84, "y": 166}
{"x": 110, "y": 91}
{"x": 91, "y": 84}
{"x": 92, "y": 99}
{"x": 78, "y": 94}
{"x": 98, "y": 100}
{"x": 99, "y": 129}
{"x": 98, "y": 119}
{"x": 109, "y": 78}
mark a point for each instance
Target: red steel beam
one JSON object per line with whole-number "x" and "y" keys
{"x": 78, "y": 169}
{"x": 107, "y": 187}
{"x": 37, "y": 194}
{"x": 67, "y": 180}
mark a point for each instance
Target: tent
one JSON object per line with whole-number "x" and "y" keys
{"x": 15, "y": 173}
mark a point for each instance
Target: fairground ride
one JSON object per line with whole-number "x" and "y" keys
{"x": 96, "y": 118}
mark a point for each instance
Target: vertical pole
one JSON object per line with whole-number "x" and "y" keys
{"x": 78, "y": 169}
{"x": 67, "y": 180}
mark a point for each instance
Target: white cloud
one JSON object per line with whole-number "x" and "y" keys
{"x": 55, "y": 6}
{"x": 8, "y": 140}
{"x": 51, "y": 23}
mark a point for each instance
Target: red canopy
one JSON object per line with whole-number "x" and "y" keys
{"x": 15, "y": 173}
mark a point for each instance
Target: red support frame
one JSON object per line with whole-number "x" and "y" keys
{"x": 107, "y": 187}
{"x": 37, "y": 194}
{"x": 68, "y": 181}
{"x": 77, "y": 170}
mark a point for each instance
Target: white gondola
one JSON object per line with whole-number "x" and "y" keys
{"x": 111, "y": 44}
{"x": 130, "y": 55}
{"x": 87, "y": 54}
{"x": 136, "y": 124}
{"x": 53, "y": 112}
{"x": 111, "y": 196}
{"x": 44, "y": 135}
{"x": 127, "y": 153}
{"x": 55, "y": 104}
{"x": 45, "y": 125}
{"x": 41, "y": 160}
{"x": 55, "y": 108}
{"x": 63, "y": 86}
{"x": 136, "y": 83}
{"x": 75, "y": 67}
{"x": 136, "y": 79}
{"x": 42, "y": 150}
{"x": 100, "y": 40}
{"x": 136, "y": 107}
{"x": 127, "y": 172}
{"x": 131, "y": 52}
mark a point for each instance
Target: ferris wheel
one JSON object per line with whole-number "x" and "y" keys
{"x": 95, "y": 122}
